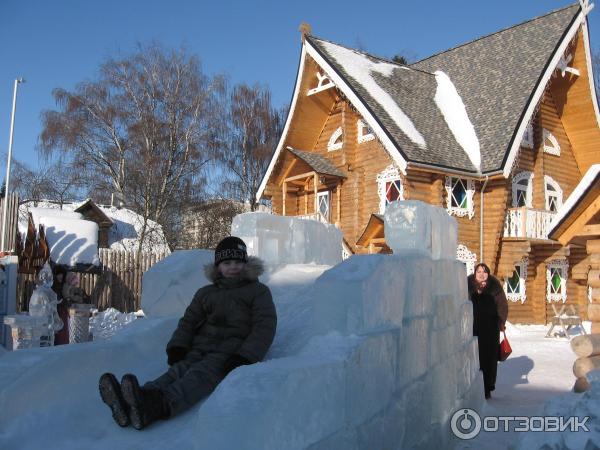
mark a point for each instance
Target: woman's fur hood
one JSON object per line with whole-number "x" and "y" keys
{"x": 255, "y": 267}
{"x": 493, "y": 285}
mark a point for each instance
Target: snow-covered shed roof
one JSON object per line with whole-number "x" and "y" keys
{"x": 493, "y": 80}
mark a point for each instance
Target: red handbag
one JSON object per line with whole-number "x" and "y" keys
{"x": 505, "y": 349}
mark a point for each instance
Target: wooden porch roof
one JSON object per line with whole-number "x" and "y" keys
{"x": 318, "y": 163}
{"x": 579, "y": 218}
{"x": 373, "y": 230}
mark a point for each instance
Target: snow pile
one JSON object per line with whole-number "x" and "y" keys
{"x": 169, "y": 285}
{"x": 375, "y": 352}
{"x": 455, "y": 114}
{"x": 567, "y": 406}
{"x": 361, "y": 69}
{"x": 72, "y": 241}
{"x": 288, "y": 240}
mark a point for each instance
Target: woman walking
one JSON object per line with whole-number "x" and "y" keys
{"x": 490, "y": 310}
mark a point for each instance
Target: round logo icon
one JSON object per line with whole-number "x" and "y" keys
{"x": 465, "y": 424}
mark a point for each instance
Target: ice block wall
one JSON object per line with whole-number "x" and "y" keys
{"x": 392, "y": 358}
{"x": 281, "y": 240}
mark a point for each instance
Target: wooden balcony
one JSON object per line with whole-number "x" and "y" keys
{"x": 527, "y": 223}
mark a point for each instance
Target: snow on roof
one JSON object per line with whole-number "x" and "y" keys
{"x": 575, "y": 196}
{"x": 361, "y": 68}
{"x": 455, "y": 114}
{"x": 123, "y": 235}
{"x": 72, "y": 241}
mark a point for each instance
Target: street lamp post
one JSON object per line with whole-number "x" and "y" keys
{"x": 10, "y": 141}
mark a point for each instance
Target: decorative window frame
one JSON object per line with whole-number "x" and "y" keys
{"x": 360, "y": 126}
{"x": 529, "y": 191}
{"x": 390, "y": 173}
{"x": 320, "y": 195}
{"x": 469, "y": 258}
{"x": 548, "y": 180}
{"x": 332, "y": 144}
{"x": 553, "y": 148}
{"x": 470, "y": 188}
{"x": 527, "y": 140}
{"x": 522, "y": 294}
{"x": 561, "y": 296}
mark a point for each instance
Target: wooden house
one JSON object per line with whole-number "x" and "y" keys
{"x": 498, "y": 131}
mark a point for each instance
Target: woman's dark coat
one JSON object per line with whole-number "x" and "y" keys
{"x": 490, "y": 311}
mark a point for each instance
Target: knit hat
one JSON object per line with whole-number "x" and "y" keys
{"x": 231, "y": 248}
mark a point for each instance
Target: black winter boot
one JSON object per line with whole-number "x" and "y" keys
{"x": 145, "y": 405}
{"x": 110, "y": 391}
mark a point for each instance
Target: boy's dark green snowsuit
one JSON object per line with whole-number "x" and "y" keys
{"x": 230, "y": 316}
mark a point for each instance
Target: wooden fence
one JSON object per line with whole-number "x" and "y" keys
{"x": 117, "y": 283}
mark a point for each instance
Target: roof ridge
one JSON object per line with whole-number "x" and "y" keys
{"x": 494, "y": 33}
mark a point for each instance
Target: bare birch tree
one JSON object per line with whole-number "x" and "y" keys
{"x": 255, "y": 127}
{"x": 146, "y": 126}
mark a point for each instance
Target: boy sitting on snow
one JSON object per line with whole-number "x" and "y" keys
{"x": 228, "y": 324}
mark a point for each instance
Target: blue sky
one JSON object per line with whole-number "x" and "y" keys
{"x": 59, "y": 43}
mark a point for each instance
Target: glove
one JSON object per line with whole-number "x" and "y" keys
{"x": 235, "y": 361}
{"x": 175, "y": 354}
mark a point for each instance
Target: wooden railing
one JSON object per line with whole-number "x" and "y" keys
{"x": 527, "y": 223}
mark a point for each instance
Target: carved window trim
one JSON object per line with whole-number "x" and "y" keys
{"x": 558, "y": 268}
{"x": 551, "y": 144}
{"x": 389, "y": 174}
{"x": 336, "y": 141}
{"x": 519, "y": 294}
{"x": 361, "y": 127}
{"x": 527, "y": 140}
{"x": 557, "y": 193}
{"x": 467, "y": 184}
{"x": 323, "y": 84}
{"x": 467, "y": 257}
{"x": 527, "y": 190}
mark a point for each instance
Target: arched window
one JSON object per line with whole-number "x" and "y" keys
{"x": 516, "y": 284}
{"x": 556, "y": 281}
{"x": 389, "y": 187}
{"x": 336, "y": 141}
{"x": 522, "y": 190}
{"x": 554, "y": 195}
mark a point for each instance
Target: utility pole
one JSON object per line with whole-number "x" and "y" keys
{"x": 10, "y": 141}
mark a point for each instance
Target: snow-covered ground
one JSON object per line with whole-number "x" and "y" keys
{"x": 539, "y": 369}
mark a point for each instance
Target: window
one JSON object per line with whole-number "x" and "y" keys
{"x": 528, "y": 137}
{"x": 459, "y": 197}
{"x": 336, "y": 141}
{"x": 551, "y": 145}
{"x": 515, "y": 285}
{"x": 390, "y": 187}
{"x": 522, "y": 190}
{"x": 364, "y": 132}
{"x": 556, "y": 281}
{"x": 467, "y": 257}
{"x": 323, "y": 204}
{"x": 553, "y": 194}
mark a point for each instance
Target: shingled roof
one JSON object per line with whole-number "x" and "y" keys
{"x": 495, "y": 77}
{"x": 319, "y": 163}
